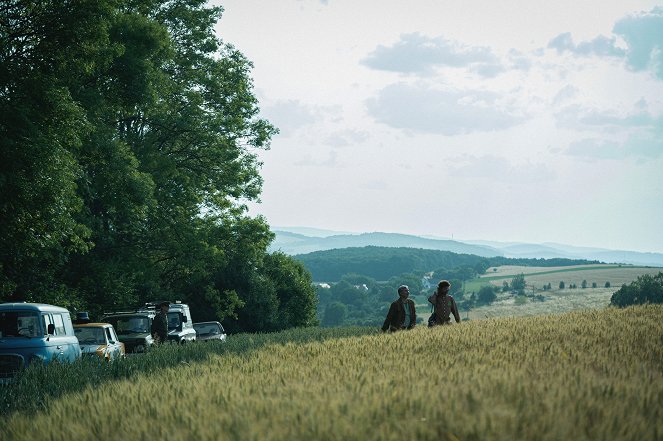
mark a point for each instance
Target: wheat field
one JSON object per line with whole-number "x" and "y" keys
{"x": 588, "y": 375}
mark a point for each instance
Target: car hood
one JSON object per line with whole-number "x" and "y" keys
{"x": 91, "y": 348}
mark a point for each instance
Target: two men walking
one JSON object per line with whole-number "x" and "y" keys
{"x": 402, "y": 313}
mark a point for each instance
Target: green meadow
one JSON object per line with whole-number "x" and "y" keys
{"x": 584, "y": 375}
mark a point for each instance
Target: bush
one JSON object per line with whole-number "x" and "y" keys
{"x": 645, "y": 289}
{"x": 486, "y": 295}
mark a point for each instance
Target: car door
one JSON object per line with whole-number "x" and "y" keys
{"x": 114, "y": 348}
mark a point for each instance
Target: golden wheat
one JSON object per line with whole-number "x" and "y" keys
{"x": 591, "y": 375}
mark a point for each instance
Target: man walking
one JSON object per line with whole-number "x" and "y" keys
{"x": 402, "y": 314}
{"x": 160, "y": 323}
{"x": 444, "y": 305}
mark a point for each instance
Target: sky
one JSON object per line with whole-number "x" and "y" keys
{"x": 508, "y": 121}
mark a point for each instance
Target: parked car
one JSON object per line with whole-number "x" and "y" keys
{"x": 209, "y": 331}
{"x": 100, "y": 340}
{"x": 34, "y": 333}
{"x": 133, "y": 329}
{"x": 180, "y": 325}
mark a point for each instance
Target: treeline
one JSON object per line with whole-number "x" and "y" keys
{"x": 128, "y": 148}
{"x": 383, "y": 263}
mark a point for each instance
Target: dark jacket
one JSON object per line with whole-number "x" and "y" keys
{"x": 160, "y": 326}
{"x": 396, "y": 316}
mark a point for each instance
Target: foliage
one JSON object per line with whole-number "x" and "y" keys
{"x": 129, "y": 147}
{"x": 518, "y": 283}
{"x": 645, "y": 289}
{"x": 334, "y": 388}
{"x": 383, "y": 263}
{"x": 486, "y": 295}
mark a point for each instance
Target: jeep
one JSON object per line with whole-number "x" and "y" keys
{"x": 133, "y": 329}
{"x": 180, "y": 325}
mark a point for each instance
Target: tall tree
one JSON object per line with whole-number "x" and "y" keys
{"x": 130, "y": 139}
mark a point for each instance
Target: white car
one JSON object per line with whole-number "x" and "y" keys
{"x": 209, "y": 331}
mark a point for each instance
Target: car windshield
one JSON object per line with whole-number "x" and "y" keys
{"x": 90, "y": 336}
{"x": 173, "y": 320}
{"x": 210, "y": 329}
{"x": 19, "y": 324}
{"x": 130, "y": 325}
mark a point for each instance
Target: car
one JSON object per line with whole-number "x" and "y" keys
{"x": 133, "y": 329}
{"x": 209, "y": 331}
{"x": 99, "y": 340}
{"x": 35, "y": 333}
{"x": 180, "y": 325}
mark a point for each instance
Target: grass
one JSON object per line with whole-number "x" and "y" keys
{"x": 586, "y": 375}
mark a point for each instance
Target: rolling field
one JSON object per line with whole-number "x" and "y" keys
{"x": 587, "y": 375}
{"x": 556, "y": 300}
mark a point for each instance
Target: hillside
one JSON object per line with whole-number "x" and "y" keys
{"x": 294, "y": 243}
{"x": 382, "y": 263}
{"x": 593, "y": 375}
{"x": 301, "y": 240}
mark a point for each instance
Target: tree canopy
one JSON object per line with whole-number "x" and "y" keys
{"x": 129, "y": 148}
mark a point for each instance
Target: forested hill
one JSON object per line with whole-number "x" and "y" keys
{"x": 381, "y": 263}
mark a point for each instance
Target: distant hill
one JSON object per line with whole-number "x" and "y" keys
{"x": 382, "y": 263}
{"x": 294, "y": 243}
{"x": 302, "y": 240}
{"x": 552, "y": 250}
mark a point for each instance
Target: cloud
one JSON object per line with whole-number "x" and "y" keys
{"x": 348, "y": 137}
{"x": 578, "y": 117}
{"x": 599, "y": 46}
{"x": 290, "y": 115}
{"x": 418, "y": 54}
{"x": 423, "y": 109}
{"x": 499, "y": 169}
{"x": 643, "y": 37}
{"x": 643, "y": 33}
{"x": 640, "y": 147}
{"x": 566, "y": 93}
{"x": 331, "y": 161}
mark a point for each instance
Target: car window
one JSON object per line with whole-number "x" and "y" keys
{"x": 47, "y": 320}
{"x": 68, "y": 325}
{"x": 128, "y": 325}
{"x": 90, "y": 336}
{"x": 173, "y": 320}
{"x": 19, "y": 324}
{"x": 109, "y": 335}
{"x": 113, "y": 334}
{"x": 59, "y": 324}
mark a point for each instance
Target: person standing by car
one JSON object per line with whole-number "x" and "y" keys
{"x": 160, "y": 323}
{"x": 444, "y": 305}
{"x": 402, "y": 314}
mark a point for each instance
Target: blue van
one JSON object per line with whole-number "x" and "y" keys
{"x": 34, "y": 332}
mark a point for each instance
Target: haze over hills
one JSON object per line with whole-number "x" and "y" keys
{"x": 302, "y": 240}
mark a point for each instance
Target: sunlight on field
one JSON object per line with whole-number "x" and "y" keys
{"x": 559, "y": 301}
{"x": 595, "y": 375}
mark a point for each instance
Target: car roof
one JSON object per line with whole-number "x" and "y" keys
{"x": 17, "y": 306}
{"x": 92, "y": 325}
{"x": 206, "y": 323}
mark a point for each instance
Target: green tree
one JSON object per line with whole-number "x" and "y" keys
{"x": 645, "y": 289}
{"x": 294, "y": 290}
{"x": 607, "y": 284}
{"x": 583, "y": 285}
{"x": 486, "y": 295}
{"x": 129, "y": 144}
{"x": 561, "y": 285}
{"x": 335, "y": 314}
{"x": 518, "y": 283}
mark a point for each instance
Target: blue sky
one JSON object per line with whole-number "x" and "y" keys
{"x": 508, "y": 121}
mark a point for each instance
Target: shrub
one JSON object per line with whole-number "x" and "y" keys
{"x": 645, "y": 289}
